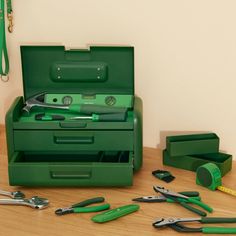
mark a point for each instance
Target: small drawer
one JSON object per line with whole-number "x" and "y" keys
{"x": 103, "y": 168}
{"x": 192, "y": 144}
{"x": 35, "y": 140}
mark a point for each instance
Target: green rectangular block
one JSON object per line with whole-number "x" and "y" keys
{"x": 192, "y": 162}
{"x": 181, "y": 145}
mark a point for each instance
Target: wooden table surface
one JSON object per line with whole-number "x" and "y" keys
{"x": 24, "y": 221}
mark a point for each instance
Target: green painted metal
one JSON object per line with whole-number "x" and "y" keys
{"x": 65, "y": 169}
{"x": 60, "y": 140}
{"x": 75, "y": 153}
{"x": 115, "y": 213}
{"x": 116, "y": 100}
{"x": 192, "y": 162}
{"x": 209, "y": 175}
{"x": 138, "y": 134}
{"x": 181, "y": 145}
{"x": 38, "y": 64}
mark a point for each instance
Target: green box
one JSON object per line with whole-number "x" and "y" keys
{"x": 192, "y": 162}
{"x": 75, "y": 153}
{"x": 181, "y": 145}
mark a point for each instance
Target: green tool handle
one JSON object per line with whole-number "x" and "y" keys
{"x": 201, "y": 204}
{"x": 193, "y": 209}
{"x": 88, "y": 202}
{"x": 110, "y": 117}
{"x": 190, "y": 193}
{"x": 218, "y": 230}
{"x": 182, "y": 199}
{"x": 115, "y": 213}
{"x": 209, "y": 220}
{"x": 89, "y": 109}
{"x": 91, "y": 209}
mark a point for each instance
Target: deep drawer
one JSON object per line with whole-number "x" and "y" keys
{"x": 81, "y": 169}
{"x": 35, "y": 140}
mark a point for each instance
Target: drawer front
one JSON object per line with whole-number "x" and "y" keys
{"x": 24, "y": 172}
{"x": 34, "y": 140}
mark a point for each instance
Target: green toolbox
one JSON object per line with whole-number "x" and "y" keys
{"x": 79, "y": 122}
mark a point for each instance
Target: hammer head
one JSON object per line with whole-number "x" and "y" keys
{"x": 36, "y": 100}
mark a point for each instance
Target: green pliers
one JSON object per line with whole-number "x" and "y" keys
{"x": 184, "y": 200}
{"x": 81, "y": 207}
{"x": 175, "y": 223}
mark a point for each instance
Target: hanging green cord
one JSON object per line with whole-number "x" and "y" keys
{"x": 3, "y": 45}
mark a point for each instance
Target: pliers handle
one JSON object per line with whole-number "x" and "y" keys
{"x": 81, "y": 207}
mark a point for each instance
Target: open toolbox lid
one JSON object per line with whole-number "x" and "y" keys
{"x": 97, "y": 70}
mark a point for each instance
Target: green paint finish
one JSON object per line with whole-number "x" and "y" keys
{"x": 39, "y": 65}
{"x": 116, "y": 213}
{"x": 65, "y": 169}
{"x": 116, "y": 100}
{"x": 209, "y": 175}
{"x": 181, "y": 145}
{"x": 192, "y": 162}
{"x": 138, "y": 133}
{"x": 31, "y": 140}
{"x": 73, "y": 152}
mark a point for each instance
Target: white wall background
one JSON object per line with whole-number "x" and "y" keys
{"x": 185, "y": 56}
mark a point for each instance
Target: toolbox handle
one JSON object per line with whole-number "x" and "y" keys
{"x": 73, "y": 140}
{"x": 70, "y": 174}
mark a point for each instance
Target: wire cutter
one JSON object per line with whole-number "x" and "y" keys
{"x": 161, "y": 198}
{"x": 178, "y": 197}
{"x": 81, "y": 207}
{"x": 174, "y": 223}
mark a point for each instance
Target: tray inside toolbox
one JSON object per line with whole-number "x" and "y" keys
{"x": 81, "y": 157}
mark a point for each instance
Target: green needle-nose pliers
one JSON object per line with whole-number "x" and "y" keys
{"x": 184, "y": 200}
{"x": 81, "y": 207}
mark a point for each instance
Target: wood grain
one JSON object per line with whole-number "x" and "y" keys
{"x": 25, "y": 221}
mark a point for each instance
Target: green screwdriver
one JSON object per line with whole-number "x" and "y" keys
{"x": 103, "y": 117}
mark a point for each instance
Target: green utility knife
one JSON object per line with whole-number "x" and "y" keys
{"x": 115, "y": 213}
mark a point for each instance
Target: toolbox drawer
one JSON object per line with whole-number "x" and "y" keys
{"x": 75, "y": 169}
{"x": 35, "y": 140}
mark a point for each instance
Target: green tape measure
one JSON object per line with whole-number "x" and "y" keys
{"x": 209, "y": 176}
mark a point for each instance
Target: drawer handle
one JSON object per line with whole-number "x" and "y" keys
{"x": 73, "y": 124}
{"x": 74, "y": 140}
{"x": 70, "y": 174}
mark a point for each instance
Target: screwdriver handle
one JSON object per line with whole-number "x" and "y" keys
{"x": 110, "y": 117}
{"x": 89, "y": 109}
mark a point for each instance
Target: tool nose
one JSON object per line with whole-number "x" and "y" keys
{"x": 137, "y": 199}
{"x": 63, "y": 211}
{"x": 158, "y": 222}
{"x": 58, "y": 212}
